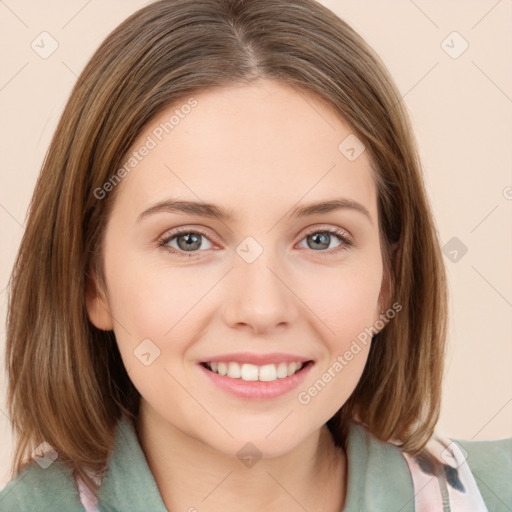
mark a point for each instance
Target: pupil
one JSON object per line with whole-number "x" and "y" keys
{"x": 320, "y": 238}
{"x": 192, "y": 241}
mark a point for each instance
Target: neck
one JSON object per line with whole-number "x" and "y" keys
{"x": 194, "y": 476}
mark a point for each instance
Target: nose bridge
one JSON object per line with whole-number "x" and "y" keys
{"x": 261, "y": 298}
{"x": 257, "y": 267}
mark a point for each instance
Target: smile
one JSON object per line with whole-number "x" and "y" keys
{"x": 255, "y": 382}
{"x": 251, "y": 372}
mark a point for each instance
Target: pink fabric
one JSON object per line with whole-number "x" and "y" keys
{"x": 439, "y": 474}
{"x": 87, "y": 497}
{"x": 448, "y": 475}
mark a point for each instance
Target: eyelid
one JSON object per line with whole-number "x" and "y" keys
{"x": 313, "y": 229}
{"x": 344, "y": 236}
{"x": 330, "y": 229}
{"x": 174, "y": 232}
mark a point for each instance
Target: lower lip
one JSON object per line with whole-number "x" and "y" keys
{"x": 257, "y": 390}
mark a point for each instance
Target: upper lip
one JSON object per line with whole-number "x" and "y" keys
{"x": 257, "y": 359}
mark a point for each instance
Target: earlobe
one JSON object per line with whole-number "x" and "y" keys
{"x": 98, "y": 308}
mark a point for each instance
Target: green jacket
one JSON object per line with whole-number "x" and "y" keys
{"x": 379, "y": 479}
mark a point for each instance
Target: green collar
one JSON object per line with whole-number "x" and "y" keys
{"x": 129, "y": 483}
{"x": 378, "y": 480}
{"x": 378, "y": 476}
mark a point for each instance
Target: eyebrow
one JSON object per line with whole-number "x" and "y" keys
{"x": 220, "y": 213}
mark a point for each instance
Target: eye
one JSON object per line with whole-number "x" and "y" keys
{"x": 319, "y": 239}
{"x": 188, "y": 242}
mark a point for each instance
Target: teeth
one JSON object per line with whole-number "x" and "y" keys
{"x": 222, "y": 368}
{"x": 282, "y": 370}
{"x": 233, "y": 370}
{"x": 247, "y": 372}
{"x": 252, "y": 372}
{"x": 268, "y": 373}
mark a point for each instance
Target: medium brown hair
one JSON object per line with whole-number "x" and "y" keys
{"x": 67, "y": 384}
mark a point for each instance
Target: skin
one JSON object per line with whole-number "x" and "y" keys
{"x": 259, "y": 150}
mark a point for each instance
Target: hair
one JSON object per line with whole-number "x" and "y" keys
{"x": 67, "y": 384}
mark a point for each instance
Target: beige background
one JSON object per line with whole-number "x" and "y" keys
{"x": 461, "y": 112}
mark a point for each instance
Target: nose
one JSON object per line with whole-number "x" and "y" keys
{"x": 260, "y": 296}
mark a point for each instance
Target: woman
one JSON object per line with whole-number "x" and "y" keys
{"x": 293, "y": 359}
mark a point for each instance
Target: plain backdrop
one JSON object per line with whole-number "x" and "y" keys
{"x": 452, "y": 63}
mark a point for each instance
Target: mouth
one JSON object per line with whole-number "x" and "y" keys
{"x": 255, "y": 382}
{"x": 251, "y": 373}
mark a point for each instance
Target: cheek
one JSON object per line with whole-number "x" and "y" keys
{"x": 345, "y": 300}
{"x": 150, "y": 300}
{"x": 346, "y": 309}
{"x": 149, "y": 304}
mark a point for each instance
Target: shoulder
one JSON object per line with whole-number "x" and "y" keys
{"x": 467, "y": 475}
{"x": 50, "y": 489}
{"x": 378, "y": 477}
{"x": 491, "y": 466}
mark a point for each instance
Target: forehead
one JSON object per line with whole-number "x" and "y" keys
{"x": 249, "y": 147}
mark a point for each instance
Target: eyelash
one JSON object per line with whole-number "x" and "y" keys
{"x": 342, "y": 236}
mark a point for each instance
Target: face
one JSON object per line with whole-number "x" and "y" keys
{"x": 268, "y": 284}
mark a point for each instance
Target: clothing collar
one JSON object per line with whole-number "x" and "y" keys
{"x": 377, "y": 475}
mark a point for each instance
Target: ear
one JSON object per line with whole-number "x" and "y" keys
{"x": 98, "y": 308}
